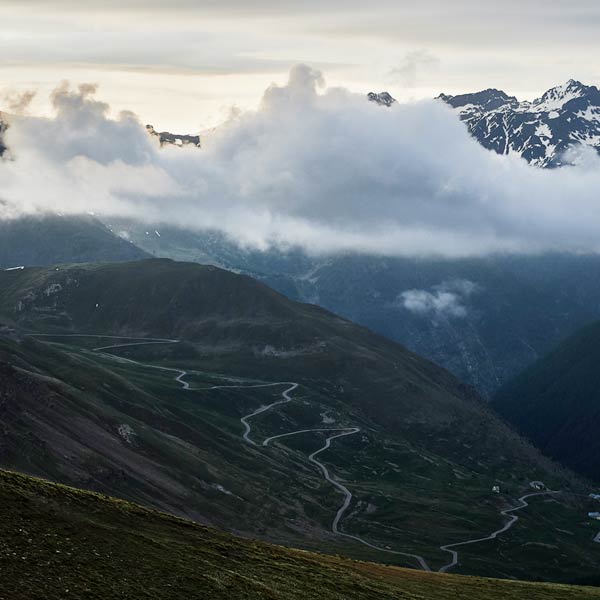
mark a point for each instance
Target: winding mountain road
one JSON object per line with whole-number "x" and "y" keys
{"x": 342, "y": 432}
{"x": 505, "y": 513}
{"x": 342, "y": 488}
{"x": 286, "y": 398}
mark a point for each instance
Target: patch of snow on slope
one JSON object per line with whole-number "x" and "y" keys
{"x": 543, "y": 130}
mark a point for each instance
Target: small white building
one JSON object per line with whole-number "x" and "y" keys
{"x": 595, "y": 496}
{"x": 594, "y": 515}
{"x": 496, "y": 489}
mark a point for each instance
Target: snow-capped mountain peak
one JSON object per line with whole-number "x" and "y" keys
{"x": 557, "y": 97}
{"x": 563, "y": 93}
{"x": 539, "y": 131}
{"x": 490, "y": 99}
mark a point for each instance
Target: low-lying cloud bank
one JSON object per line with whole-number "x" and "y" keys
{"x": 321, "y": 169}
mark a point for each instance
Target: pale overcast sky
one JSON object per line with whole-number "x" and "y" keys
{"x": 180, "y": 64}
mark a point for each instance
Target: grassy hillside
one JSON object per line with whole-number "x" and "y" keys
{"x": 556, "y": 402}
{"x": 52, "y": 239}
{"x": 234, "y": 322}
{"x": 421, "y": 465}
{"x": 520, "y": 306}
{"x": 58, "y": 542}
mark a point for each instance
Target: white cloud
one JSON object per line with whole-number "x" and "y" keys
{"x": 445, "y": 300}
{"x": 439, "y": 303}
{"x": 324, "y": 170}
{"x": 16, "y": 101}
{"x": 412, "y": 65}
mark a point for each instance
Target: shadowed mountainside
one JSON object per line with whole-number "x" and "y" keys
{"x": 52, "y": 239}
{"x": 556, "y": 402}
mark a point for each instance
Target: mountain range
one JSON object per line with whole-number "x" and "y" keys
{"x": 373, "y": 288}
{"x": 540, "y": 131}
{"x": 498, "y": 314}
{"x": 472, "y": 336}
{"x": 297, "y": 399}
{"x": 206, "y": 394}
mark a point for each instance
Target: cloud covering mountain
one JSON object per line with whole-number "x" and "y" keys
{"x": 322, "y": 169}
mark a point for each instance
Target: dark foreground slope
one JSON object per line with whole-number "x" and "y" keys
{"x": 420, "y": 458}
{"x": 556, "y": 402}
{"x": 58, "y": 542}
{"x": 53, "y": 239}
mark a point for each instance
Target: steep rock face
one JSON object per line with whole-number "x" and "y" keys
{"x": 381, "y": 98}
{"x": 3, "y": 127}
{"x": 541, "y": 131}
{"x": 173, "y": 139}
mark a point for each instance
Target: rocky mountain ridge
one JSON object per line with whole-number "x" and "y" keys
{"x": 542, "y": 131}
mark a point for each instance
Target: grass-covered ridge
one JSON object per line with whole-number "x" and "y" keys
{"x": 59, "y": 542}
